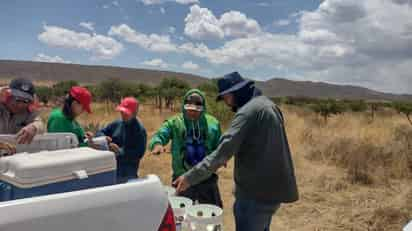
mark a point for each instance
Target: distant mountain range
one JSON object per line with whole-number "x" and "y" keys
{"x": 52, "y": 72}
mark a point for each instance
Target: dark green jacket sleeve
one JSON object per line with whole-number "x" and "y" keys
{"x": 229, "y": 145}
{"x": 162, "y": 136}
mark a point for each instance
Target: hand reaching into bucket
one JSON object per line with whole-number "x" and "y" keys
{"x": 181, "y": 184}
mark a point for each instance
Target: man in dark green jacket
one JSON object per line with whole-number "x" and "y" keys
{"x": 264, "y": 174}
{"x": 194, "y": 134}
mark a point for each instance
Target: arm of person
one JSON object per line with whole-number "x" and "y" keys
{"x": 162, "y": 136}
{"x": 34, "y": 126}
{"x": 108, "y": 130}
{"x": 35, "y": 121}
{"x": 230, "y": 143}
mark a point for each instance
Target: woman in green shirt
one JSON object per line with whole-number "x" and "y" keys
{"x": 64, "y": 119}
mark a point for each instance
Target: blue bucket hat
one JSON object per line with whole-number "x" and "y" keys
{"x": 231, "y": 83}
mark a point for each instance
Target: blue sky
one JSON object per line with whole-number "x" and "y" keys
{"x": 366, "y": 43}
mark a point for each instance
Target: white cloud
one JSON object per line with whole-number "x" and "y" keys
{"x": 156, "y": 2}
{"x": 190, "y": 65}
{"x": 263, "y": 4}
{"x": 87, "y": 25}
{"x": 367, "y": 43}
{"x": 101, "y": 47}
{"x": 49, "y": 59}
{"x": 155, "y": 63}
{"x": 282, "y": 22}
{"x": 152, "y": 42}
{"x": 202, "y": 24}
{"x": 116, "y": 3}
{"x": 152, "y": 2}
{"x": 343, "y": 41}
{"x": 237, "y": 24}
{"x": 186, "y": 2}
{"x": 162, "y": 10}
{"x": 105, "y": 6}
{"x": 172, "y": 29}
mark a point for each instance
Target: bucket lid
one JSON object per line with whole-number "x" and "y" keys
{"x": 180, "y": 202}
{"x": 205, "y": 214}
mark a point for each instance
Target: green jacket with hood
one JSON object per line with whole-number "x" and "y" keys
{"x": 175, "y": 129}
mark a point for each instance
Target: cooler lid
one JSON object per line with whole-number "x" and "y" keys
{"x": 30, "y": 170}
{"x": 42, "y": 142}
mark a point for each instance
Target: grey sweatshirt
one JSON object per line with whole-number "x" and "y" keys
{"x": 263, "y": 164}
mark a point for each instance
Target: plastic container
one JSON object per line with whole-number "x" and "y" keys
{"x": 204, "y": 217}
{"x": 47, "y": 141}
{"x": 408, "y": 227}
{"x": 170, "y": 191}
{"x": 101, "y": 143}
{"x": 180, "y": 205}
{"x": 26, "y": 175}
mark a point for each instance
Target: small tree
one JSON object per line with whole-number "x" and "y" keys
{"x": 44, "y": 93}
{"x": 170, "y": 89}
{"x": 110, "y": 90}
{"x": 357, "y": 105}
{"x": 63, "y": 87}
{"x": 327, "y": 108}
{"x": 374, "y": 107}
{"x": 209, "y": 87}
{"x": 404, "y": 108}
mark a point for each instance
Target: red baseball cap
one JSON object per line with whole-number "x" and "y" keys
{"x": 82, "y": 95}
{"x": 128, "y": 105}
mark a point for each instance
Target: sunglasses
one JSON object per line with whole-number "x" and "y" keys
{"x": 193, "y": 103}
{"x": 194, "y": 100}
{"x": 21, "y": 100}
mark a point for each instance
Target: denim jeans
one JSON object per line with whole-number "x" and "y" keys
{"x": 253, "y": 215}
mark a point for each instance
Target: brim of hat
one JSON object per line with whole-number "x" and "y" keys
{"x": 233, "y": 89}
{"x": 124, "y": 110}
{"x": 192, "y": 107}
{"x": 21, "y": 94}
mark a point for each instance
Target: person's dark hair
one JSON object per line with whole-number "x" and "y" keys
{"x": 67, "y": 106}
{"x": 243, "y": 95}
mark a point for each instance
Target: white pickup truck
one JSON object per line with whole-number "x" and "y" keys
{"x": 141, "y": 205}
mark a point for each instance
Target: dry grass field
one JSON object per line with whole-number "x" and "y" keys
{"x": 353, "y": 173}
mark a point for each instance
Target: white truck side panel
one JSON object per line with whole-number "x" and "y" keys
{"x": 135, "y": 206}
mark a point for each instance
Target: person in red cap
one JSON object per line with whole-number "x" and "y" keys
{"x": 127, "y": 138}
{"x": 64, "y": 119}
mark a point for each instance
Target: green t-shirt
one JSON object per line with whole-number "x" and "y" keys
{"x": 58, "y": 122}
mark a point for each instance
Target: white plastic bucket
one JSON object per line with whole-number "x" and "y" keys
{"x": 101, "y": 143}
{"x": 180, "y": 205}
{"x": 204, "y": 217}
{"x": 408, "y": 227}
{"x": 170, "y": 191}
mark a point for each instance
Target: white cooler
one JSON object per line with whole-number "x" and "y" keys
{"x": 26, "y": 175}
{"x": 46, "y": 141}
